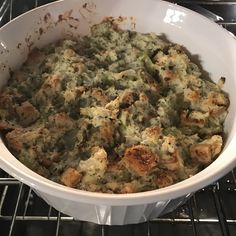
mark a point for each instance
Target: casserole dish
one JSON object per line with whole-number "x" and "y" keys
{"x": 212, "y": 46}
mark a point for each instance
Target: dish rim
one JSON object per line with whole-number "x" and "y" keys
{"x": 184, "y": 187}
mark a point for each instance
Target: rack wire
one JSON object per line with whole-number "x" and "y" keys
{"x": 210, "y": 211}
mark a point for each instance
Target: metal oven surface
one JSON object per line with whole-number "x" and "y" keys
{"x": 211, "y": 211}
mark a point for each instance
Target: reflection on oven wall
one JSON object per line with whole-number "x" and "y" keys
{"x": 211, "y": 211}
{"x": 221, "y": 11}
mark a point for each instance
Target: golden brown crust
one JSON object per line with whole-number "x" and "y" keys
{"x": 172, "y": 161}
{"x": 126, "y": 99}
{"x": 18, "y": 138}
{"x": 164, "y": 179}
{"x": 215, "y": 103}
{"x": 106, "y": 131}
{"x": 50, "y": 87}
{"x": 6, "y": 98}
{"x": 14, "y": 141}
{"x": 194, "y": 118}
{"x": 27, "y": 113}
{"x": 100, "y": 96}
{"x": 205, "y": 151}
{"x": 53, "y": 82}
{"x": 61, "y": 120}
{"x": 201, "y": 152}
{"x": 139, "y": 159}
{"x": 71, "y": 177}
{"x": 143, "y": 97}
{"x": 129, "y": 188}
{"x": 153, "y": 132}
{"x": 191, "y": 95}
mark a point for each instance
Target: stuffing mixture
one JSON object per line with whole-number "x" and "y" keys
{"x": 116, "y": 111}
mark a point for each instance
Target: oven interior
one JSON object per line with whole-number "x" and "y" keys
{"x": 210, "y": 211}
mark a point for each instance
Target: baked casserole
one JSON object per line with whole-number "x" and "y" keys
{"x": 116, "y": 111}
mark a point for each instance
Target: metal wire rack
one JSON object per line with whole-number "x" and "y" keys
{"x": 211, "y": 211}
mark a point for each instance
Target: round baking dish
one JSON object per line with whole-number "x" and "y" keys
{"x": 209, "y": 44}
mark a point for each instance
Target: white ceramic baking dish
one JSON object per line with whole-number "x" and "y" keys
{"x": 213, "y": 47}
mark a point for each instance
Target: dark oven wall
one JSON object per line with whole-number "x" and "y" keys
{"x": 211, "y": 211}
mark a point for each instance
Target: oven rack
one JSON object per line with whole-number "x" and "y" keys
{"x": 210, "y": 211}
